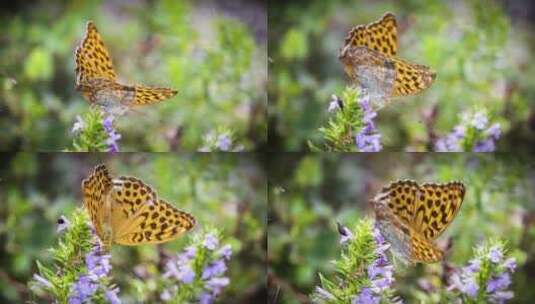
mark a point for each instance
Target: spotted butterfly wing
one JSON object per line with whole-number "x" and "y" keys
{"x": 411, "y": 78}
{"x": 95, "y": 189}
{"x": 92, "y": 58}
{"x": 148, "y": 95}
{"x": 436, "y": 206}
{"x": 130, "y": 212}
{"x": 380, "y": 35}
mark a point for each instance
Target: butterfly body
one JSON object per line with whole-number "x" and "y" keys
{"x": 126, "y": 211}
{"x": 97, "y": 80}
{"x": 411, "y": 216}
{"x": 369, "y": 59}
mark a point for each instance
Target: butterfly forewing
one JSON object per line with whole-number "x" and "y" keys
{"x": 92, "y": 58}
{"x": 95, "y": 189}
{"x": 380, "y": 35}
{"x": 436, "y": 206}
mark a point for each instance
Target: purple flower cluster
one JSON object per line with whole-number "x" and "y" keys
{"x": 212, "y": 274}
{"x": 380, "y": 274}
{"x": 486, "y": 136}
{"x": 98, "y": 267}
{"x": 468, "y": 283}
{"x": 113, "y": 136}
{"x": 368, "y": 138}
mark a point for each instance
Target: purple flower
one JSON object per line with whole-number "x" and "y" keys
{"x": 111, "y": 296}
{"x": 42, "y": 281}
{"x": 210, "y": 241}
{"x": 510, "y": 264}
{"x": 324, "y": 294}
{"x": 215, "y": 285}
{"x": 486, "y": 145}
{"x": 98, "y": 265}
{"x": 494, "y": 131}
{"x": 79, "y": 125}
{"x": 62, "y": 224}
{"x": 214, "y": 269}
{"x": 83, "y": 289}
{"x": 223, "y": 142}
{"x": 334, "y": 104}
{"x": 501, "y": 282}
{"x": 188, "y": 254}
{"x": 113, "y": 136}
{"x": 465, "y": 283}
{"x": 470, "y": 288}
{"x": 206, "y": 298}
{"x": 485, "y": 140}
{"x": 345, "y": 234}
{"x": 165, "y": 295}
{"x": 480, "y": 120}
{"x": 502, "y": 296}
{"x": 495, "y": 255}
{"x": 368, "y": 139}
{"x": 182, "y": 272}
{"x": 473, "y": 266}
{"x": 225, "y": 252}
{"x": 366, "y": 296}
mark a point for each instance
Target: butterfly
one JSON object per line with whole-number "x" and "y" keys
{"x": 369, "y": 59}
{"x": 127, "y": 211}
{"x": 411, "y": 216}
{"x": 96, "y": 78}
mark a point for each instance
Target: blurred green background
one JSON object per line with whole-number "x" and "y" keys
{"x": 308, "y": 194}
{"x": 223, "y": 191}
{"x": 481, "y": 50}
{"x": 213, "y": 52}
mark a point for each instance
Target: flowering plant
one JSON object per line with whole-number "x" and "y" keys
{"x": 198, "y": 273}
{"x": 364, "y": 273}
{"x": 474, "y": 133}
{"x": 487, "y": 276}
{"x": 352, "y": 127}
{"x": 94, "y": 131}
{"x": 82, "y": 271}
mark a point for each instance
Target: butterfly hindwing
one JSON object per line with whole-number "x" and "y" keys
{"x": 411, "y": 78}
{"x": 423, "y": 250}
{"x": 148, "y": 95}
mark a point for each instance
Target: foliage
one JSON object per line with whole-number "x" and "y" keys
{"x": 214, "y": 68}
{"x": 477, "y": 54}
